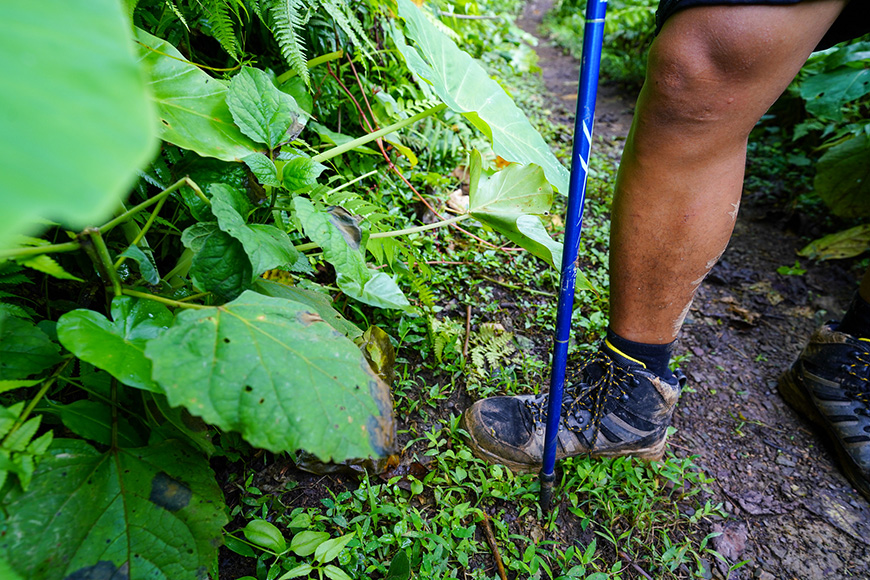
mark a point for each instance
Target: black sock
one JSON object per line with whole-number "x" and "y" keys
{"x": 655, "y": 356}
{"x": 856, "y": 321}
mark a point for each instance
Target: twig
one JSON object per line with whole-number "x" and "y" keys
{"x": 467, "y": 331}
{"x": 490, "y": 539}
{"x": 639, "y": 570}
{"x": 515, "y": 287}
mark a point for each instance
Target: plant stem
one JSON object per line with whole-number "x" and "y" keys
{"x": 143, "y": 231}
{"x": 41, "y": 393}
{"x": 17, "y": 253}
{"x": 114, "y": 394}
{"x": 311, "y": 64}
{"x": 103, "y": 259}
{"x": 149, "y": 202}
{"x": 336, "y": 151}
{"x": 352, "y": 181}
{"x": 416, "y": 229}
{"x": 306, "y": 247}
{"x": 515, "y": 287}
{"x": 162, "y": 300}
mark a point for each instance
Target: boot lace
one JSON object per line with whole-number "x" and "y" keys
{"x": 598, "y": 379}
{"x": 857, "y": 384}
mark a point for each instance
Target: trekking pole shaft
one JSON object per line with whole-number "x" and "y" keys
{"x": 593, "y": 37}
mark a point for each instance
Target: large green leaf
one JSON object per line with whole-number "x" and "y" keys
{"x": 266, "y": 246}
{"x": 75, "y": 119}
{"x": 274, "y": 371}
{"x": 843, "y": 177}
{"x": 465, "y": 87}
{"x": 844, "y": 78}
{"x": 261, "y": 111}
{"x": 845, "y": 244}
{"x": 510, "y": 202}
{"x": 191, "y": 105}
{"x": 24, "y": 349}
{"x": 352, "y": 275}
{"x": 153, "y": 512}
{"x": 321, "y": 303}
{"x": 117, "y": 346}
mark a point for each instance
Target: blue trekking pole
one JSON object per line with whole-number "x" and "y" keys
{"x": 593, "y": 37}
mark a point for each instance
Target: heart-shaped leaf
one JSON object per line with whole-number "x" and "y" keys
{"x": 274, "y": 371}
{"x": 261, "y": 111}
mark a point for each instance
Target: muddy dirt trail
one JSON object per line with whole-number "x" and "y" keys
{"x": 792, "y": 514}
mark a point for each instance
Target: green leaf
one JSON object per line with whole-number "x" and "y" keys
{"x": 12, "y": 385}
{"x": 194, "y": 237}
{"x": 274, "y": 371}
{"x": 117, "y": 346}
{"x": 24, "y": 349}
{"x": 152, "y": 512}
{"x": 845, "y": 79}
{"x": 147, "y": 267}
{"x": 263, "y": 169}
{"x": 843, "y": 177}
{"x": 93, "y": 420}
{"x": 353, "y": 276}
{"x": 221, "y": 266}
{"x": 265, "y": 535}
{"x": 76, "y": 120}
{"x": 305, "y": 543}
{"x": 6, "y": 571}
{"x": 319, "y": 302}
{"x": 845, "y": 244}
{"x": 330, "y": 136}
{"x": 330, "y": 549}
{"x": 240, "y": 548}
{"x": 301, "y": 172}
{"x": 335, "y": 573}
{"x": 465, "y": 87}
{"x": 400, "y": 567}
{"x": 297, "y": 572}
{"x": 261, "y": 111}
{"x": 205, "y": 171}
{"x": 507, "y": 201}
{"x": 267, "y": 247}
{"x": 191, "y": 105}
{"x": 47, "y": 265}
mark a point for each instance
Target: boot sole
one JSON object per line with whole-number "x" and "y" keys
{"x": 794, "y": 392}
{"x": 653, "y": 452}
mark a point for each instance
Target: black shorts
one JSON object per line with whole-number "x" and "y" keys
{"x": 852, "y": 23}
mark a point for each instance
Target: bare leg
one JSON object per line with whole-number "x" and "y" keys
{"x": 713, "y": 71}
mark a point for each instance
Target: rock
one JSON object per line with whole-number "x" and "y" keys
{"x": 784, "y": 460}
{"x": 732, "y": 541}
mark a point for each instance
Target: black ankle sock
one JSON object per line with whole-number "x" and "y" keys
{"x": 655, "y": 356}
{"x": 856, "y": 321}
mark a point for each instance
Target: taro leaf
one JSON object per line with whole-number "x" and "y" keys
{"x": 117, "y": 346}
{"x": 843, "y": 178}
{"x": 152, "y": 512}
{"x": 221, "y": 266}
{"x": 321, "y": 303}
{"x": 846, "y": 244}
{"x": 301, "y": 172}
{"x": 274, "y": 371}
{"x": 465, "y": 87}
{"x": 76, "y": 123}
{"x": 93, "y": 420}
{"x": 191, "y": 105}
{"x": 147, "y": 267}
{"x": 352, "y": 275}
{"x": 263, "y": 169}
{"x": 261, "y": 111}
{"x": 509, "y": 201}
{"x": 267, "y": 247}
{"x": 24, "y": 349}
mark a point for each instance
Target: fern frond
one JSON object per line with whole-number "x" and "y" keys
{"x": 12, "y": 274}
{"x": 217, "y": 12}
{"x": 177, "y": 13}
{"x": 349, "y": 23}
{"x": 285, "y": 17}
{"x": 16, "y": 311}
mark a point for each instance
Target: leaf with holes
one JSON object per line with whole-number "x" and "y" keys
{"x": 153, "y": 512}
{"x": 272, "y": 370}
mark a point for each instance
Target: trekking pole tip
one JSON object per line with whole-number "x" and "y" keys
{"x": 546, "y": 497}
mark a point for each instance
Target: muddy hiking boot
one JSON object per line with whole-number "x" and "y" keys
{"x": 829, "y": 384}
{"x": 611, "y": 406}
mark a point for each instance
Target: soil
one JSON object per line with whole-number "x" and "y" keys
{"x": 793, "y": 515}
